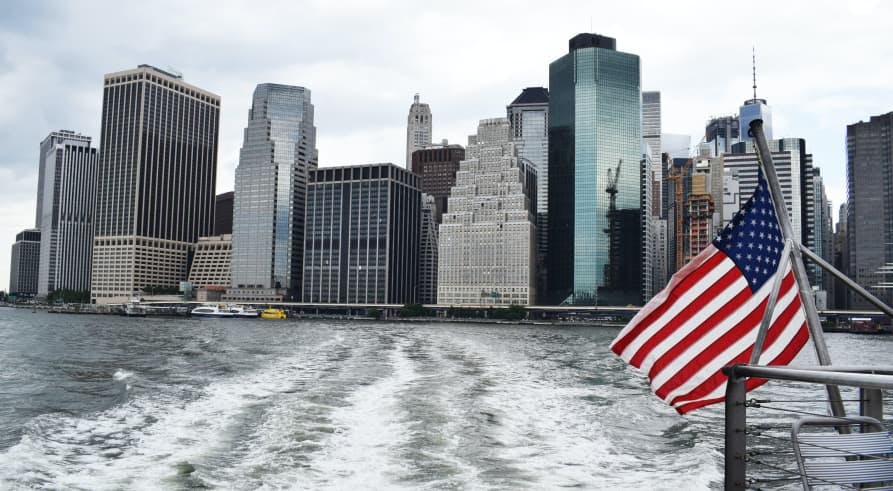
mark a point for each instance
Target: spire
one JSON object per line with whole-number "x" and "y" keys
{"x": 754, "y": 54}
{"x": 416, "y": 98}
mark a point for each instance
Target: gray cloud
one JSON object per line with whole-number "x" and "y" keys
{"x": 822, "y": 65}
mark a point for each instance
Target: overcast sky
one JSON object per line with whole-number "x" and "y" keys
{"x": 821, "y": 65}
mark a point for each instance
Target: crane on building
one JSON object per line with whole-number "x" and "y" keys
{"x": 677, "y": 174}
{"x": 612, "y": 268}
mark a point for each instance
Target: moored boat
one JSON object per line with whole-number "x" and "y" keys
{"x": 273, "y": 314}
{"x": 211, "y": 311}
{"x": 244, "y": 312}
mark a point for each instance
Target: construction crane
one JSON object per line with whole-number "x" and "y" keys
{"x": 677, "y": 175}
{"x": 612, "y": 268}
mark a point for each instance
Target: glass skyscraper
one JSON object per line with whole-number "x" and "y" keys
{"x": 595, "y": 148}
{"x": 278, "y": 151}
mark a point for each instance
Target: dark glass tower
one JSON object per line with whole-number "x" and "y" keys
{"x": 595, "y": 145}
{"x": 361, "y": 242}
{"x": 869, "y": 216}
{"x": 156, "y": 181}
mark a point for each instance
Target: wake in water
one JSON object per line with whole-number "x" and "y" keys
{"x": 370, "y": 406}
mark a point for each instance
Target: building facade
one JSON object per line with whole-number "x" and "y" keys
{"x": 223, "y": 213}
{"x": 362, "y": 235}
{"x": 699, "y": 211}
{"x": 428, "y": 252}
{"x": 25, "y": 263}
{"x": 211, "y": 262}
{"x": 869, "y": 217}
{"x": 487, "y": 241}
{"x": 277, "y": 155}
{"x": 156, "y": 181}
{"x": 595, "y": 146}
{"x": 418, "y": 128}
{"x": 66, "y": 190}
{"x": 753, "y": 109}
{"x": 437, "y": 165}
{"x": 529, "y": 117}
{"x": 721, "y": 133}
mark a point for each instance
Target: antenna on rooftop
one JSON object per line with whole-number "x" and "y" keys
{"x": 754, "y": 54}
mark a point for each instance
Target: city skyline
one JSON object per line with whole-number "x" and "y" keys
{"x": 46, "y": 69}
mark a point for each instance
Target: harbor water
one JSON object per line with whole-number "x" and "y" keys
{"x": 105, "y": 402}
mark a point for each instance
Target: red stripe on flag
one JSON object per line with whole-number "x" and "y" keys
{"x": 690, "y": 311}
{"x": 786, "y": 356}
{"x": 727, "y": 339}
{"x": 775, "y": 330}
{"x": 672, "y": 296}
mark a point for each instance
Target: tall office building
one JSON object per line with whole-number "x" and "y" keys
{"x": 595, "y": 146}
{"x": 651, "y": 124}
{"x": 754, "y": 109}
{"x": 362, "y": 235}
{"x": 721, "y": 133}
{"x": 487, "y": 241}
{"x": 25, "y": 263}
{"x": 428, "y": 252}
{"x": 66, "y": 189}
{"x": 223, "y": 213}
{"x": 870, "y": 205}
{"x": 437, "y": 165}
{"x": 839, "y": 292}
{"x": 278, "y": 153}
{"x": 157, "y": 173}
{"x": 418, "y": 128}
{"x": 823, "y": 232}
{"x": 529, "y": 117}
{"x": 699, "y": 210}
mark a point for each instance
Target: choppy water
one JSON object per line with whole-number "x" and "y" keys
{"x": 102, "y": 402}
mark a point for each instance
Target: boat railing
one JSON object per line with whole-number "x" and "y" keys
{"x": 759, "y": 454}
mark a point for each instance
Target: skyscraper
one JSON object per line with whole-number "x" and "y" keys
{"x": 362, "y": 235}
{"x": 651, "y": 124}
{"x": 278, "y": 152}
{"x": 869, "y": 218}
{"x": 595, "y": 146}
{"x": 157, "y": 173}
{"x": 418, "y": 128}
{"x": 428, "y": 252}
{"x": 487, "y": 241}
{"x": 754, "y": 109}
{"x": 721, "y": 133}
{"x": 223, "y": 213}
{"x": 66, "y": 191}
{"x": 529, "y": 117}
{"x": 437, "y": 165}
{"x": 25, "y": 263}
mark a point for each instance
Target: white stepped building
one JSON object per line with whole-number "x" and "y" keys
{"x": 487, "y": 241}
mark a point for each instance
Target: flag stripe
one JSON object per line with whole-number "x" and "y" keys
{"x": 709, "y": 259}
{"x": 717, "y": 378}
{"x": 688, "y": 347}
{"x": 706, "y": 301}
{"x": 786, "y": 356}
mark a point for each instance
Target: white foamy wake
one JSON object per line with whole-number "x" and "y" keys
{"x": 145, "y": 443}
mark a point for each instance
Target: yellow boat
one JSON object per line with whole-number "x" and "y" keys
{"x": 273, "y": 314}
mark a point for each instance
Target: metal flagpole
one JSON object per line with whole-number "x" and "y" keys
{"x": 849, "y": 282}
{"x": 781, "y": 212}
{"x": 770, "y": 306}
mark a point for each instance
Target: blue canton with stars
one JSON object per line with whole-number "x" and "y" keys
{"x": 753, "y": 238}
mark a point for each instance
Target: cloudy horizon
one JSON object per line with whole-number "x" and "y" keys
{"x": 820, "y": 65}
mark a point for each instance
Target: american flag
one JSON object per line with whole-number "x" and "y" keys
{"x": 709, "y": 314}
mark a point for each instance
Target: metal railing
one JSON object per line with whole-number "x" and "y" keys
{"x": 870, "y": 381}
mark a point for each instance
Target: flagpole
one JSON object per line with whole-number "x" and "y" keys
{"x": 770, "y": 306}
{"x": 806, "y": 299}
